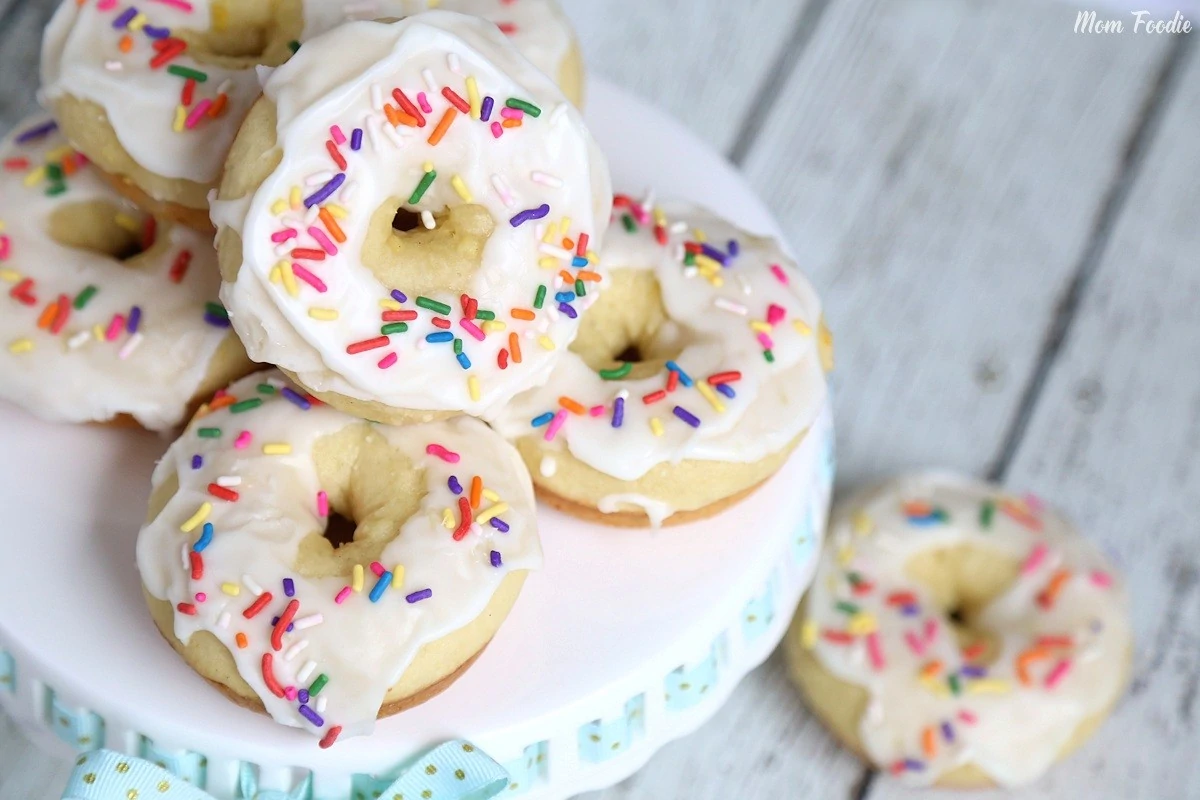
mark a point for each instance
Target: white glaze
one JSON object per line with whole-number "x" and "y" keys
{"x": 76, "y": 376}
{"x": 331, "y": 81}
{"x": 774, "y": 403}
{"x": 656, "y": 510}
{"x": 1018, "y": 730}
{"x": 363, "y": 647}
{"x": 81, "y": 58}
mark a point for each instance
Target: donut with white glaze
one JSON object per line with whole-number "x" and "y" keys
{"x": 397, "y": 212}
{"x": 694, "y": 375}
{"x": 251, "y": 579}
{"x": 958, "y": 635}
{"x": 110, "y": 314}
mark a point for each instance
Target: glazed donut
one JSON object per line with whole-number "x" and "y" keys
{"x": 111, "y": 314}
{"x": 387, "y": 233}
{"x": 252, "y": 582}
{"x": 694, "y": 375}
{"x": 958, "y": 636}
{"x": 154, "y": 93}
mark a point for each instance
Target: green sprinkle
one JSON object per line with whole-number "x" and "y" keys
{"x": 217, "y": 310}
{"x": 54, "y": 172}
{"x": 209, "y": 433}
{"x": 618, "y": 373}
{"x": 580, "y": 289}
{"x": 955, "y": 685}
{"x": 540, "y": 299}
{"x": 769, "y": 356}
{"x": 689, "y": 260}
{"x": 987, "y": 514}
{"x": 629, "y": 223}
{"x": 433, "y": 305}
{"x": 318, "y": 685}
{"x": 188, "y": 72}
{"x": 854, "y": 578}
{"x": 941, "y": 516}
{"x": 84, "y": 297}
{"x": 293, "y": 45}
{"x": 457, "y": 346}
{"x": 394, "y": 327}
{"x": 246, "y": 405}
{"x": 846, "y": 608}
{"x": 422, "y": 187}
{"x": 485, "y": 315}
{"x": 266, "y": 388}
{"x": 55, "y": 189}
{"x": 521, "y": 105}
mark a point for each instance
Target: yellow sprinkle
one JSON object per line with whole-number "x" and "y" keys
{"x": 493, "y": 326}
{"x": 711, "y": 397}
{"x": 21, "y": 346}
{"x": 862, "y": 523}
{"x": 546, "y": 342}
{"x": 716, "y": 280}
{"x": 861, "y": 624}
{"x": 491, "y": 496}
{"x": 398, "y": 576}
{"x": 593, "y": 257}
{"x": 220, "y": 16}
{"x": 492, "y": 511}
{"x": 473, "y": 388}
{"x": 325, "y": 314}
{"x": 276, "y": 274}
{"x": 701, "y": 237}
{"x": 278, "y": 207}
{"x": 473, "y": 98}
{"x": 461, "y": 188}
{"x": 551, "y": 233}
{"x": 565, "y": 225}
{"x": 704, "y": 262}
{"x": 128, "y": 223}
{"x": 289, "y": 278}
{"x": 137, "y": 23}
{"x": 180, "y": 118}
{"x": 336, "y": 211}
{"x": 198, "y": 518}
{"x": 59, "y": 153}
{"x": 98, "y": 332}
{"x": 35, "y": 177}
{"x": 390, "y": 304}
{"x": 802, "y": 327}
{"x": 356, "y": 583}
{"x": 548, "y": 262}
{"x": 427, "y": 166}
{"x": 937, "y": 687}
{"x": 231, "y": 589}
{"x": 758, "y": 326}
{"x": 10, "y": 275}
{"x": 294, "y": 197}
{"x": 808, "y": 633}
{"x": 988, "y": 686}
{"x": 656, "y": 426}
{"x": 660, "y": 218}
{"x": 448, "y": 519}
{"x": 845, "y": 555}
{"x": 277, "y": 449}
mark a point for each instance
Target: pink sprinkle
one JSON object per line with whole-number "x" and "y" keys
{"x": 323, "y": 240}
{"x": 914, "y": 643}
{"x": 423, "y": 102}
{"x": 377, "y": 568}
{"x": 106, "y": 5}
{"x": 875, "y": 651}
{"x": 1035, "y": 503}
{"x": 1036, "y": 557}
{"x": 290, "y": 692}
{"x": 931, "y": 629}
{"x": 471, "y": 328}
{"x": 197, "y": 114}
{"x": 342, "y": 595}
{"x": 640, "y": 213}
{"x": 778, "y": 272}
{"x": 283, "y": 235}
{"x": 555, "y": 424}
{"x": 201, "y": 597}
{"x": 1101, "y": 578}
{"x": 512, "y": 113}
{"x": 312, "y": 280}
{"x": 1058, "y": 673}
{"x": 766, "y": 341}
{"x": 335, "y": 133}
{"x": 443, "y": 453}
{"x": 322, "y": 504}
{"x": 497, "y": 130}
{"x": 5, "y": 247}
{"x": 243, "y": 440}
{"x": 181, "y": 4}
{"x": 388, "y": 361}
{"x": 968, "y": 717}
{"x": 597, "y": 411}
{"x": 775, "y": 314}
{"x": 115, "y": 327}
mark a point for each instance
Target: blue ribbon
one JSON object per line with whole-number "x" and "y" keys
{"x": 455, "y": 770}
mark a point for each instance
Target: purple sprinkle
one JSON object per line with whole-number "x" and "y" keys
{"x": 320, "y": 195}
{"x": 485, "y": 109}
{"x": 734, "y": 248}
{"x": 568, "y": 310}
{"x": 302, "y": 695}
{"x": 275, "y": 621}
{"x": 910, "y": 611}
{"x": 499, "y": 524}
{"x": 496, "y": 558}
{"x": 727, "y": 390}
{"x": 947, "y": 732}
{"x": 135, "y": 318}
{"x": 914, "y": 765}
{"x": 529, "y": 214}
{"x": 399, "y": 296}
{"x": 37, "y": 132}
{"x": 311, "y": 716}
{"x": 687, "y": 416}
{"x": 295, "y": 398}
{"x": 454, "y": 485}
{"x": 715, "y": 254}
{"x": 356, "y": 139}
{"x": 155, "y": 32}
{"x": 973, "y": 672}
{"x": 417, "y": 597}
{"x": 618, "y": 412}
{"x": 124, "y": 18}
{"x": 197, "y": 461}
{"x": 289, "y": 587}
{"x": 215, "y": 321}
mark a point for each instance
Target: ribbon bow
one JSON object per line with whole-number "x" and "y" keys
{"x": 455, "y": 770}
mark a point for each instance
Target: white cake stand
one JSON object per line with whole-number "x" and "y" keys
{"x": 625, "y": 641}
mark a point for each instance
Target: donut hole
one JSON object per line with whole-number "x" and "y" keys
{"x": 116, "y": 231}
{"x": 373, "y": 489}
{"x": 437, "y": 261}
{"x": 629, "y": 324}
{"x": 246, "y": 33}
{"x": 963, "y": 580}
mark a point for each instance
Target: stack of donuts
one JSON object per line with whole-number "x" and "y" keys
{"x": 363, "y": 261}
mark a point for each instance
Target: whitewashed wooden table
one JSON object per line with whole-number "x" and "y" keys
{"x": 1004, "y": 219}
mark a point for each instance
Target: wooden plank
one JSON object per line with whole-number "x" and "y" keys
{"x": 702, "y": 60}
{"x": 938, "y": 167}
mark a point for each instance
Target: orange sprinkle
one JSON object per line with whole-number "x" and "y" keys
{"x": 221, "y": 402}
{"x": 241, "y": 641}
{"x": 973, "y": 651}
{"x": 48, "y": 315}
{"x": 1054, "y": 588}
{"x": 476, "y": 491}
{"x": 70, "y": 165}
{"x": 566, "y": 276}
{"x": 398, "y": 117}
{"x": 917, "y": 508}
{"x": 572, "y": 406}
{"x": 511, "y": 123}
{"x": 588, "y": 275}
{"x": 1026, "y": 658}
{"x": 931, "y": 670}
{"x": 126, "y": 44}
{"x": 332, "y": 226}
{"x": 514, "y": 347}
{"x": 443, "y": 125}
{"x": 218, "y": 106}
{"x": 522, "y": 313}
{"x": 929, "y": 742}
{"x": 568, "y": 244}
